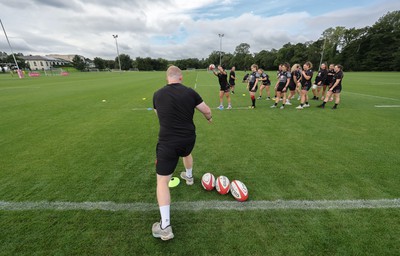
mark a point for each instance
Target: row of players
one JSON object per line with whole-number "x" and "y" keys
{"x": 328, "y": 83}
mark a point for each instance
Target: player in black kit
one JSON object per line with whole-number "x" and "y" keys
{"x": 319, "y": 81}
{"x": 223, "y": 87}
{"x": 174, "y": 105}
{"x": 336, "y": 88}
{"x": 282, "y": 85}
{"x": 306, "y": 76}
{"x": 266, "y": 83}
{"x": 232, "y": 78}
{"x": 252, "y": 85}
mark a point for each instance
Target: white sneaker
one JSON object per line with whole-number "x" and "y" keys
{"x": 282, "y": 107}
{"x": 259, "y": 98}
{"x": 273, "y": 106}
{"x": 268, "y": 98}
{"x": 229, "y": 107}
{"x": 189, "y": 181}
{"x": 306, "y": 105}
{"x": 164, "y": 234}
{"x": 221, "y": 107}
{"x": 288, "y": 103}
{"x": 299, "y": 107}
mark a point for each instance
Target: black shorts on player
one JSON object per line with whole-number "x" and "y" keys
{"x": 337, "y": 89}
{"x": 292, "y": 86}
{"x": 281, "y": 87}
{"x": 225, "y": 88}
{"x": 251, "y": 87}
{"x": 168, "y": 154}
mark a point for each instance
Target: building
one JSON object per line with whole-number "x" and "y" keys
{"x": 43, "y": 63}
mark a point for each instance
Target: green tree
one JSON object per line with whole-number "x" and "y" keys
{"x": 78, "y": 62}
{"x": 99, "y": 63}
{"x": 126, "y": 61}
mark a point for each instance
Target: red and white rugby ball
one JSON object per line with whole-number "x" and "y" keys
{"x": 208, "y": 181}
{"x": 222, "y": 185}
{"x": 239, "y": 190}
{"x": 211, "y": 67}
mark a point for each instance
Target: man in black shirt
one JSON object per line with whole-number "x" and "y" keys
{"x": 232, "y": 78}
{"x": 174, "y": 105}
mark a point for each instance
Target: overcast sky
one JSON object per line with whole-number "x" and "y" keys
{"x": 174, "y": 29}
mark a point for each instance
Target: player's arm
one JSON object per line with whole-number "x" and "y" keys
{"x": 255, "y": 84}
{"x": 287, "y": 84}
{"x": 205, "y": 110}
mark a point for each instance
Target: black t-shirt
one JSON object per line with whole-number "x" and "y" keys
{"x": 296, "y": 74}
{"x": 266, "y": 77}
{"x": 222, "y": 79}
{"x": 304, "y": 81}
{"x": 321, "y": 77}
{"x": 338, "y": 75}
{"x": 175, "y": 105}
{"x": 329, "y": 76}
{"x": 231, "y": 80}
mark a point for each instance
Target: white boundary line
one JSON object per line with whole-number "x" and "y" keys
{"x": 204, "y": 205}
{"x": 372, "y": 96}
{"x": 387, "y": 106}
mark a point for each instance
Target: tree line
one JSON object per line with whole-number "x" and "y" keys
{"x": 375, "y": 48}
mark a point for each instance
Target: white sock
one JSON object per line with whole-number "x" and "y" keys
{"x": 165, "y": 221}
{"x": 189, "y": 173}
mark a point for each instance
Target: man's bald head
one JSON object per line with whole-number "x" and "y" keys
{"x": 174, "y": 75}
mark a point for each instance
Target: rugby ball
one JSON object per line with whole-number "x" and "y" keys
{"x": 211, "y": 67}
{"x": 222, "y": 185}
{"x": 239, "y": 190}
{"x": 208, "y": 181}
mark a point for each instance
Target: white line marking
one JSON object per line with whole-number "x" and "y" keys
{"x": 205, "y": 205}
{"x": 387, "y": 106}
{"x": 373, "y": 96}
{"x": 18, "y": 87}
{"x": 195, "y": 85}
{"x": 141, "y": 109}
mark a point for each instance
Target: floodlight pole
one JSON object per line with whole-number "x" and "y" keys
{"x": 12, "y": 51}
{"x": 220, "y": 47}
{"x": 322, "y": 54}
{"x": 116, "y": 44}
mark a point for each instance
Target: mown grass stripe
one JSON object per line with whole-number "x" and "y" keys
{"x": 204, "y": 205}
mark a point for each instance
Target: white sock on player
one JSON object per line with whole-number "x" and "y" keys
{"x": 165, "y": 217}
{"x": 189, "y": 173}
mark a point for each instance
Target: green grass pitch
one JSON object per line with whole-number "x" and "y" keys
{"x": 59, "y": 142}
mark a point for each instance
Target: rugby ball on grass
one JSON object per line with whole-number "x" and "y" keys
{"x": 222, "y": 185}
{"x": 211, "y": 67}
{"x": 208, "y": 181}
{"x": 239, "y": 190}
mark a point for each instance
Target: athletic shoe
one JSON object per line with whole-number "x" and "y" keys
{"x": 229, "y": 107}
{"x": 306, "y": 105}
{"x": 282, "y": 107}
{"x": 233, "y": 92}
{"x": 268, "y": 98}
{"x": 273, "y": 106}
{"x": 321, "y": 106}
{"x": 164, "y": 234}
{"x": 288, "y": 103}
{"x": 334, "y": 107}
{"x": 221, "y": 107}
{"x": 281, "y": 99}
{"x": 274, "y": 98}
{"x": 189, "y": 181}
{"x": 299, "y": 107}
{"x": 298, "y": 98}
{"x": 317, "y": 98}
{"x": 252, "y": 107}
{"x": 259, "y": 98}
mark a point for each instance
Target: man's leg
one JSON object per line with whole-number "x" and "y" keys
{"x": 163, "y": 229}
{"x": 188, "y": 175}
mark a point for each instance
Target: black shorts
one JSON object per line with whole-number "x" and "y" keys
{"x": 306, "y": 87}
{"x": 232, "y": 83}
{"x": 168, "y": 154}
{"x": 292, "y": 86}
{"x": 281, "y": 87}
{"x": 224, "y": 88}
{"x": 337, "y": 89}
{"x": 251, "y": 87}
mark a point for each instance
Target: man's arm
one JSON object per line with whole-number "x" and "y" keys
{"x": 205, "y": 110}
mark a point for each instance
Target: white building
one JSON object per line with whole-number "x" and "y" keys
{"x": 43, "y": 63}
